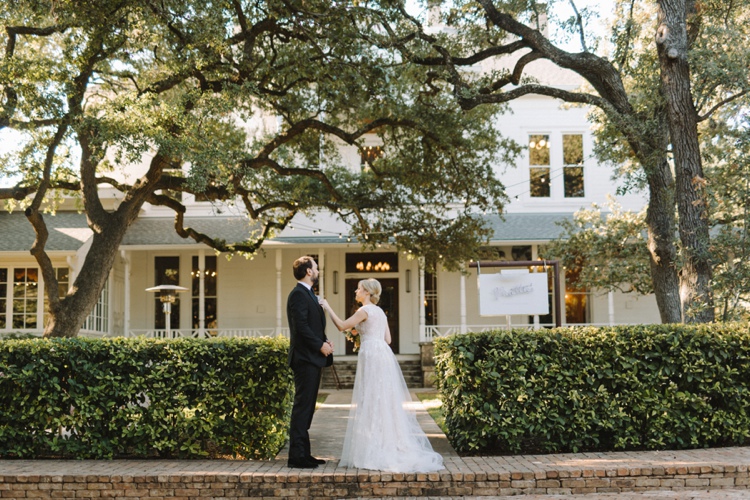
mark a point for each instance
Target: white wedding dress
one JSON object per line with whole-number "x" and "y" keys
{"x": 383, "y": 432}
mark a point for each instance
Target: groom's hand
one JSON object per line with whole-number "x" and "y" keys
{"x": 327, "y": 349}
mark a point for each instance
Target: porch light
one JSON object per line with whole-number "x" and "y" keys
{"x": 408, "y": 281}
{"x": 167, "y": 296}
{"x": 335, "y": 282}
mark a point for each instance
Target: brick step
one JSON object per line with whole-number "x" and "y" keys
{"x": 346, "y": 370}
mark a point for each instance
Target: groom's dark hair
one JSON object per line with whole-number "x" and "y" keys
{"x": 301, "y": 266}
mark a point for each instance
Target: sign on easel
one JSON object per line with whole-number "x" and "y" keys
{"x": 514, "y": 291}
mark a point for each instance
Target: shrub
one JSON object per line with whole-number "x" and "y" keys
{"x": 585, "y": 389}
{"x": 105, "y": 398}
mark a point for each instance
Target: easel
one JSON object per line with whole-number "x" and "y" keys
{"x": 335, "y": 376}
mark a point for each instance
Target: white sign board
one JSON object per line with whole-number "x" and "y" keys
{"x": 513, "y": 293}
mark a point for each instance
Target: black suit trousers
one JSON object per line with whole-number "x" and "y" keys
{"x": 306, "y": 384}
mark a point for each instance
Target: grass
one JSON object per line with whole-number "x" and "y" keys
{"x": 434, "y": 406}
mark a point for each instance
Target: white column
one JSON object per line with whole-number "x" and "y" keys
{"x": 278, "y": 290}
{"x": 126, "y": 321}
{"x": 201, "y": 292}
{"x": 462, "y": 302}
{"x": 322, "y": 271}
{"x": 611, "y": 307}
{"x": 534, "y": 256}
{"x": 422, "y": 327}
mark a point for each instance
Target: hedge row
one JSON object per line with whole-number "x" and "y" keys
{"x": 105, "y": 398}
{"x": 589, "y": 389}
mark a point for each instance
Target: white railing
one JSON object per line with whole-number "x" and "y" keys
{"x": 207, "y": 334}
{"x": 432, "y": 331}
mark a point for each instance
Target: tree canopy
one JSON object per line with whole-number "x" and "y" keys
{"x": 237, "y": 102}
{"x": 654, "y": 85}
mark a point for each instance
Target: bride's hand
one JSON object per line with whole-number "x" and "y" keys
{"x": 324, "y": 304}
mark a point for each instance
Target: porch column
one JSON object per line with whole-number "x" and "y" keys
{"x": 462, "y": 302}
{"x": 322, "y": 271}
{"x": 535, "y": 256}
{"x": 278, "y": 291}
{"x": 126, "y": 320}
{"x": 422, "y": 327}
{"x": 611, "y": 307}
{"x": 201, "y": 292}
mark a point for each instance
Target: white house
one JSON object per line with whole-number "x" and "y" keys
{"x": 237, "y": 297}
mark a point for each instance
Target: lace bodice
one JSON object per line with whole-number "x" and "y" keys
{"x": 374, "y": 326}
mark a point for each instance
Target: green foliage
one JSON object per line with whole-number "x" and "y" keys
{"x": 619, "y": 388}
{"x": 102, "y": 398}
{"x": 605, "y": 250}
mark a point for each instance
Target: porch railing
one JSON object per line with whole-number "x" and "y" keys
{"x": 207, "y": 334}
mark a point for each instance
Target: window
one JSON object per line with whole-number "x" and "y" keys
{"x": 3, "y": 297}
{"x": 209, "y": 293}
{"x": 98, "y": 320}
{"x": 576, "y": 299}
{"x": 573, "y": 165}
{"x": 166, "y": 272}
{"x": 368, "y": 155}
{"x": 174, "y": 172}
{"x": 539, "y": 162}
{"x": 25, "y": 297}
{"x": 62, "y": 274}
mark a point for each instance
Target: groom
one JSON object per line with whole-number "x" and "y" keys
{"x": 309, "y": 352}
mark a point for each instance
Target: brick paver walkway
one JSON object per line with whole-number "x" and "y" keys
{"x": 591, "y": 476}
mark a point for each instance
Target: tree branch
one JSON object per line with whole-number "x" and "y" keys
{"x": 720, "y": 104}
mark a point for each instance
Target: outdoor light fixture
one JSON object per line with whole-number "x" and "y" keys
{"x": 167, "y": 296}
{"x": 335, "y": 282}
{"x": 408, "y": 281}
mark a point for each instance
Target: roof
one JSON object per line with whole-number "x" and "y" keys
{"x": 69, "y": 230}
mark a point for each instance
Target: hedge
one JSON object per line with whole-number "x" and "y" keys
{"x": 107, "y": 398}
{"x": 596, "y": 389}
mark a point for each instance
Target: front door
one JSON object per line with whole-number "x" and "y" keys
{"x": 388, "y": 302}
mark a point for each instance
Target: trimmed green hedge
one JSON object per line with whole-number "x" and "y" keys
{"x": 587, "y": 389}
{"x": 105, "y": 398}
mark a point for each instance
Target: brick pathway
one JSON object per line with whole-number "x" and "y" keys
{"x": 586, "y": 476}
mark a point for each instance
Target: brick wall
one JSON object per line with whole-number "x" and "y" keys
{"x": 340, "y": 483}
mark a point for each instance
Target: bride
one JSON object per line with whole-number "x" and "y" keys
{"x": 382, "y": 433}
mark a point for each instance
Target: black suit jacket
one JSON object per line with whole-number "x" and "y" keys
{"x": 307, "y": 325}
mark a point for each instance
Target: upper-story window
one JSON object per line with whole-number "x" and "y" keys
{"x": 539, "y": 162}
{"x": 549, "y": 167}
{"x": 174, "y": 172}
{"x": 573, "y": 165}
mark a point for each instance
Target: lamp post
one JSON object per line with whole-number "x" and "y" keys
{"x": 167, "y": 296}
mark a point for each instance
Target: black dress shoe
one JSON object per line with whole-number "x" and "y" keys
{"x": 301, "y": 463}
{"x": 316, "y": 460}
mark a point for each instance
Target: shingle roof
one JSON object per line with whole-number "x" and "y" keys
{"x": 68, "y": 230}
{"x": 528, "y": 226}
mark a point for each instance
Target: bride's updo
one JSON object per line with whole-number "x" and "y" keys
{"x": 372, "y": 286}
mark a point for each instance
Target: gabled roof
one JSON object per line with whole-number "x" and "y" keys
{"x": 68, "y": 231}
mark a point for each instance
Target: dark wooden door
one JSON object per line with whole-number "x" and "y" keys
{"x": 388, "y": 302}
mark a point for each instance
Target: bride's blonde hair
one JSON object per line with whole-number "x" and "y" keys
{"x": 372, "y": 286}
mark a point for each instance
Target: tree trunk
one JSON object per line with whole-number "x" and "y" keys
{"x": 660, "y": 221}
{"x": 692, "y": 207}
{"x": 68, "y": 318}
